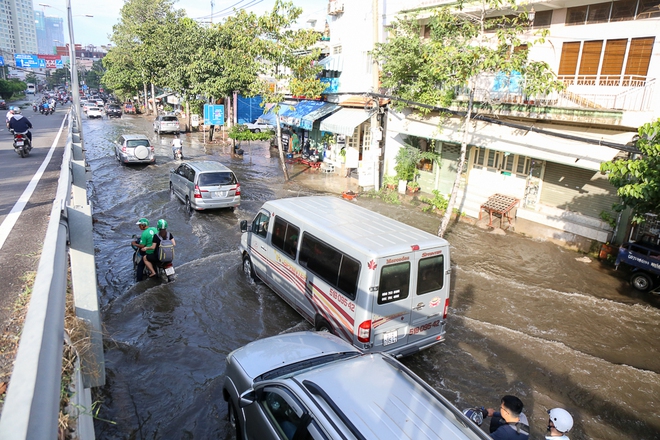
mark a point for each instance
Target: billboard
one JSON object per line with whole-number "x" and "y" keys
{"x": 31, "y": 61}
{"x": 26, "y": 60}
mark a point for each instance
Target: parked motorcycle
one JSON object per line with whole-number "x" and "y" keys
{"x": 165, "y": 270}
{"x": 22, "y": 144}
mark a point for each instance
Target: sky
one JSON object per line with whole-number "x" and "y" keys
{"x": 96, "y": 30}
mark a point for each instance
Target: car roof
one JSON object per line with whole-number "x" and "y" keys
{"x": 259, "y": 357}
{"x": 382, "y": 400}
{"x": 207, "y": 165}
{"x": 130, "y": 137}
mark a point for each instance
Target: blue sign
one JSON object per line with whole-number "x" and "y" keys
{"x": 59, "y": 64}
{"x": 214, "y": 114}
{"x": 27, "y": 60}
{"x": 2, "y": 61}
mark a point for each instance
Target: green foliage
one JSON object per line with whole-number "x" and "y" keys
{"x": 437, "y": 202}
{"x": 638, "y": 179}
{"x": 241, "y": 133}
{"x": 390, "y": 197}
{"x": 10, "y": 87}
{"x": 390, "y": 180}
{"x": 608, "y": 218}
{"x": 31, "y": 78}
{"x": 407, "y": 159}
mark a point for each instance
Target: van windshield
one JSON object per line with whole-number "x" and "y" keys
{"x": 217, "y": 178}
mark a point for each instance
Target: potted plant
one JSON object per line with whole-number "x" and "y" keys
{"x": 390, "y": 182}
{"x": 406, "y": 165}
{"x": 413, "y": 186}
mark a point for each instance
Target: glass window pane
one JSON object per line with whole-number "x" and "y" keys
{"x": 291, "y": 241}
{"x": 320, "y": 258}
{"x": 623, "y": 10}
{"x": 394, "y": 282}
{"x": 279, "y": 233}
{"x": 348, "y": 276}
{"x": 431, "y": 274}
{"x": 576, "y": 15}
{"x": 260, "y": 224}
{"x": 599, "y": 13}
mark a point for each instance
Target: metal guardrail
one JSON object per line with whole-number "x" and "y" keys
{"x": 33, "y": 398}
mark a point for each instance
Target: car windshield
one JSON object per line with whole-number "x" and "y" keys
{"x": 217, "y": 178}
{"x": 136, "y": 142}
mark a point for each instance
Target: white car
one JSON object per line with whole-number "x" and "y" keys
{"x": 258, "y": 126}
{"x": 94, "y": 112}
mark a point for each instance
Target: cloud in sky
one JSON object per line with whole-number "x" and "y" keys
{"x": 96, "y": 30}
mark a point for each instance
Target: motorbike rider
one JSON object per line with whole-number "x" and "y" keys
{"x": 8, "y": 116}
{"x": 177, "y": 146}
{"x": 162, "y": 234}
{"x": 559, "y": 423}
{"x": 144, "y": 242}
{"x": 20, "y": 124}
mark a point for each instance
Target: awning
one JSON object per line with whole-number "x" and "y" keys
{"x": 302, "y": 109}
{"x": 333, "y": 62}
{"x": 345, "y": 121}
{"x": 523, "y": 142}
{"x": 269, "y": 116}
{"x": 325, "y": 110}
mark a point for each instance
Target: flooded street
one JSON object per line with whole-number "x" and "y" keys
{"x": 526, "y": 317}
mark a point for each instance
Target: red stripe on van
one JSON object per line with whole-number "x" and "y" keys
{"x": 338, "y": 307}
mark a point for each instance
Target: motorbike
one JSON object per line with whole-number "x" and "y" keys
{"x": 165, "y": 271}
{"x": 476, "y": 415}
{"x": 22, "y": 144}
{"x": 177, "y": 152}
{"x": 35, "y": 107}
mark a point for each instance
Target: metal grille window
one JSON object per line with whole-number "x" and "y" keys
{"x": 499, "y": 161}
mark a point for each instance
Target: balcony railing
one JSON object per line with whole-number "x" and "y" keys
{"x": 603, "y": 93}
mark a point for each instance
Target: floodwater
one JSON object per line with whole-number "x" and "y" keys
{"x": 526, "y": 318}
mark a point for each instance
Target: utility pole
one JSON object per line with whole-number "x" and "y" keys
{"x": 212, "y": 4}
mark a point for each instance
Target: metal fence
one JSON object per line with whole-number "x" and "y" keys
{"x": 32, "y": 403}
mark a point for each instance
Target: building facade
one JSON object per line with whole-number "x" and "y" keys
{"x": 17, "y": 29}
{"x": 547, "y": 154}
{"x": 50, "y": 32}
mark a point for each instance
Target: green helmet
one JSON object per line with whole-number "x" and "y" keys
{"x": 162, "y": 224}
{"x": 143, "y": 221}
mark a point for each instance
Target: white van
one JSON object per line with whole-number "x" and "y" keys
{"x": 31, "y": 89}
{"x": 377, "y": 283}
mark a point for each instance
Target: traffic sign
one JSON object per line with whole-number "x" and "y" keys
{"x": 214, "y": 114}
{"x": 27, "y": 60}
{"x": 2, "y": 61}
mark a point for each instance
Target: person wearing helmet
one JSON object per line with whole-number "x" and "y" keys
{"x": 20, "y": 124}
{"x": 145, "y": 245}
{"x": 162, "y": 234}
{"x": 509, "y": 423}
{"x": 8, "y": 116}
{"x": 559, "y": 423}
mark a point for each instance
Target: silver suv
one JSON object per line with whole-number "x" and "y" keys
{"x": 166, "y": 124}
{"x": 316, "y": 386}
{"x": 134, "y": 148}
{"x": 205, "y": 185}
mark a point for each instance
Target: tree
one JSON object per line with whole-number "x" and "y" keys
{"x": 637, "y": 179}
{"x": 431, "y": 70}
{"x": 9, "y": 87}
{"x": 289, "y": 59}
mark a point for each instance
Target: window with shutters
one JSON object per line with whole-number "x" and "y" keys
{"x": 501, "y": 162}
{"x": 589, "y": 62}
{"x": 568, "y": 61}
{"x": 639, "y": 57}
{"x": 610, "y": 73}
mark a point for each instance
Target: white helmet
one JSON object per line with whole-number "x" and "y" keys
{"x": 562, "y": 419}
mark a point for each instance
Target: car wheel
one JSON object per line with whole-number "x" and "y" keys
{"x": 641, "y": 281}
{"x": 232, "y": 417}
{"x": 256, "y": 130}
{"x": 189, "y": 208}
{"x": 248, "y": 270}
{"x": 323, "y": 326}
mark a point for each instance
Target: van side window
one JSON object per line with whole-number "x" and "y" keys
{"x": 334, "y": 267}
{"x": 285, "y": 237}
{"x": 394, "y": 282}
{"x": 430, "y": 274}
{"x": 260, "y": 224}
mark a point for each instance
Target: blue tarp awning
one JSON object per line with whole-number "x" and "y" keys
{"x": 303, "y": 108}
{"x": 324, "y": 110}
{"x": 269, "y": 116}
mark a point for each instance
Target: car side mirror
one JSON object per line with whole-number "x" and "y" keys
{"x": 244, "y": 226}
{"x": 247, "y": 398}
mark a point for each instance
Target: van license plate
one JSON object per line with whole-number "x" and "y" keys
{"x": 221, "y": 193}
{"x": 169, "y": 271}
{"x": 390, "y": 337}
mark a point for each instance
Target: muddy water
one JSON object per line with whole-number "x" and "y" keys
{"x": 527, "y": 318}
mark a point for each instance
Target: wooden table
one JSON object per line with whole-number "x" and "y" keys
{"x": 501, "y": 205}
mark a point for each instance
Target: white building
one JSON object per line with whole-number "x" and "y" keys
{"x": 608, "y": 55}
{"x": 17, "y": 29}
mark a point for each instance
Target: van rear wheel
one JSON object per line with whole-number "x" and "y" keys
{"x": 641, "y": 281}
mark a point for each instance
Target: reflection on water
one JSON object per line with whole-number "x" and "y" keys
{"x": 526, "y": 318}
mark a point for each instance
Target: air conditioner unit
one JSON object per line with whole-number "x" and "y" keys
{"x": 335, "y": 8}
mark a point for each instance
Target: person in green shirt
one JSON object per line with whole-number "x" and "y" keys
{"x": 146, "y": 240}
